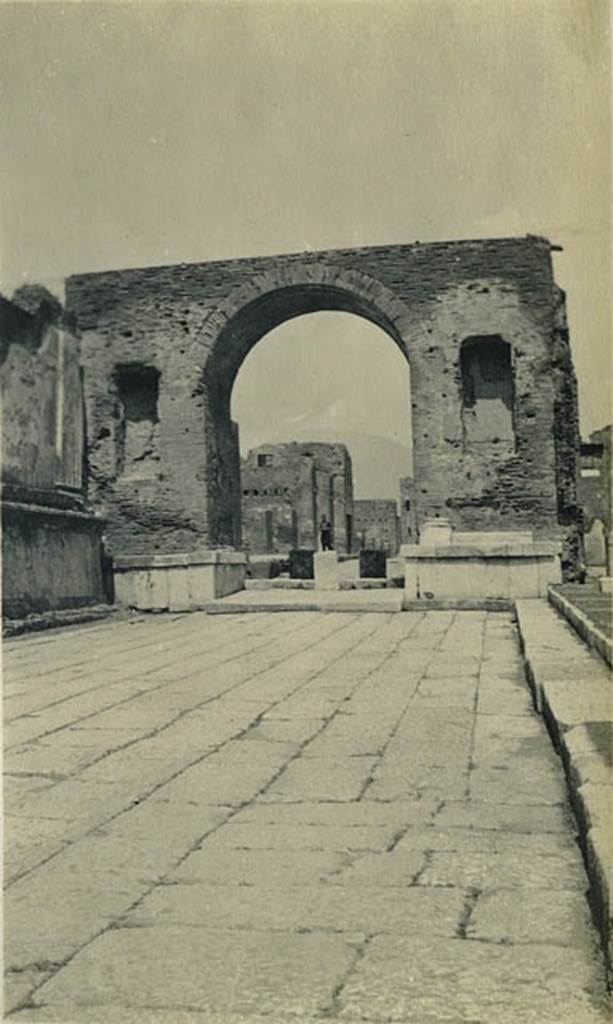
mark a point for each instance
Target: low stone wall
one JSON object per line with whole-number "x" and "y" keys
{"x": 179, "y": 582}
{"x": 51, "y": 559}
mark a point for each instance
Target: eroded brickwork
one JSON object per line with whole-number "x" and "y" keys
{"x": 196, "y": 323}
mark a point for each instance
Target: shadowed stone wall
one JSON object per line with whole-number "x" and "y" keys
{"x": 51, "y": 540}
{"x": 196, "y": 323}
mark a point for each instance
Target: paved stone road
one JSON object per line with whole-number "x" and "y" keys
{"x": 288, "y": 818}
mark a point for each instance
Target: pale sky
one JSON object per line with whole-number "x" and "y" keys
{"x": 152, "y": 133}
{"x": 331, "y": 376}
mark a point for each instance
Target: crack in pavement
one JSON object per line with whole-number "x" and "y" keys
{"x": 371, "y": 778}
{"x": 334, "y": 1006}
{"x": 116, "y": 922}
{"x": 157, "y": 731}
{"x": 473, "y": 730}
{"x": 134, "y": 696}
{"x": 118, "y": 655}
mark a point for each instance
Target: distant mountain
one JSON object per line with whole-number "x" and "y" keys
{"x": 378, "y": 462}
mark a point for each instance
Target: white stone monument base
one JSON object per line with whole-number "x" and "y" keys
{"x": 179, "y": 582}
{"x": 462, "y": 571}
{"x": 325, "y": 570}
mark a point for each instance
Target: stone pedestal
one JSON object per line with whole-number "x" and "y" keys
{"x": 372, "y": 564}
{"x": 435, "y": 531}
{"x": 325, "y": 566}
{"x": 179, "y": 582}
{"x": 301, "y": 564}
{"x": 52, "y": 559}
{"x": 394, "y": 568}
{"x": 489, "y": 567}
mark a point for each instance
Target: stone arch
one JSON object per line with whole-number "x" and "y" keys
{"x": 193, "y": 323}
{"x": 238, "y": 324}
{"x": 269, "y": 299}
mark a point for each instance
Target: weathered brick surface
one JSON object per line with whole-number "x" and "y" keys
{"x": 196, "y": 323}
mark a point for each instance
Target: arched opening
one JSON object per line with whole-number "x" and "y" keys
{"x": 231, "y": 335}
{"x": 310, "y": 388}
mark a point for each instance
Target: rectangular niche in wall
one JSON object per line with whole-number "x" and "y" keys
{"x": 487, "y": 390}
{"x": 138, "y": 437}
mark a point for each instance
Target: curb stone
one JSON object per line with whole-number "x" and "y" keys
{"x": 586, "y": 629}
{"x": 573, "y": 689}
{"x": 60, "y": 618}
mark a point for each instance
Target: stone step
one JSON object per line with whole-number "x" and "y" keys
{"x": 573, "y": 689}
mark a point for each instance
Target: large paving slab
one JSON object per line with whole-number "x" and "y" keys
{"x": 284, "y": 819}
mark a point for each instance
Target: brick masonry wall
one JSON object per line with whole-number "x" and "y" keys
{"x": 376, "y": 524}
{"x": 195, "y": 323}
{"x": 304, "y": 482}
{"x": 271, "y": 489}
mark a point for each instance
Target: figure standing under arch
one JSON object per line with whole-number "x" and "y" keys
{"x": 325, "y": 534}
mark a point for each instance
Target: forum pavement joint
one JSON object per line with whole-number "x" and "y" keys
{"x": 285, "y": 819}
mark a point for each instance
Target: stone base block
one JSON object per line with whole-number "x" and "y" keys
{"x": 372, "y": 564}
{"x": 394, "y": 569}
{"x": 457, "y": 571}
{"x": 606, "y": 584}
{"x": 325, "y": 567}
{"x": 488, "y": 538}
{"x": 301, "y": 564}
{"x": 177, "y": 582}
{"x": 52, "y": 559}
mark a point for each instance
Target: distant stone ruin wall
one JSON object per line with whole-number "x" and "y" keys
{"x": 287, "y": 489}
{"x": 489, "y": 458}
{"x": 376, "y": 525}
